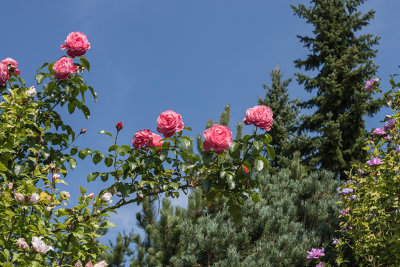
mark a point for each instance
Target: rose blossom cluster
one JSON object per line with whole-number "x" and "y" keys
{"x": 76, "y": 44}
{"x": 218, "y": 137}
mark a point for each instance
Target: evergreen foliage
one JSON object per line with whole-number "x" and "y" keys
{"x": 342, "y": 61}
{"x": 297, "y": 212}
{"x": 286, "y": 112}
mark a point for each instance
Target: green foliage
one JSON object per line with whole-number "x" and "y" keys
{"x": 283, "y": 131}
{"x": 374, "y": 216}
{"x": 342, "y": 61}
{"x": 297, "y": 211}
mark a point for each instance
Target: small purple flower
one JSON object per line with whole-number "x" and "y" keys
{"x": 369, "y": 83}
{"x": 344, "y": 191}
{"x": 360, "y": 172}
{"x": 353, "y": 197}
{"x": 350, "y": 228}
{"x": 315, "y": 253}
{"x": 335, "y": 241}
{"x": 398, "y": 149}
{"x": 389, "y": 124}
{"x": 375, "y": 161}
{"x": 344, "y": 211}
{"x": 379, "y": 131}
{"x": 320, "y": 264}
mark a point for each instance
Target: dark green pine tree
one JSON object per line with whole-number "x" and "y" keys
{"x": 286, "y": 120}
{"x": 341, "y": 59}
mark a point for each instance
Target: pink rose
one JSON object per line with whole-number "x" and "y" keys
{"x": 218, "y": 137}
{"x": 76, "y": 43}
{"x": 142, "y": 138}
{"x": 4, "y": 75}
{"x": 155, "y": 141}
{"x": 260, "y": 116}
{"x": 63, "y": 68}
{"x": 169, "y": 122}
{"x": 12, "y": 65}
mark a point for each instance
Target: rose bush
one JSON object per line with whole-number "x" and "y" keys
{"x": 38, "y": 152}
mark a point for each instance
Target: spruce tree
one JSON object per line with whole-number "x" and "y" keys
{"x": 285, "y": 112}
{"x": 340, "y": 58}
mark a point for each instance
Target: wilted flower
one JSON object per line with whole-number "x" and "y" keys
{"x": 78, "y": 264}
{"x": 106, "y": 197}
{"x": 66, "y": 194}
{"x": 353, "y": 197}
{"x": 360, "y": 172}
{"x": 19, "y": 197}
{"x": 398, "y": 149}
{"x": 388, "y": 138}
{"x": 56, "y": 176}
{"x": 34, "y": 198}
{"x": 31, "y": 92}
{"x": 315, "y": 253}
{"x": 375, "y": 161}
{"x": 335, "y": 241}
{"x": 39, "y": 245}
{"x": 21, "y": 243}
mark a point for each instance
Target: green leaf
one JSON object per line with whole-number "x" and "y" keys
{"x": 271, "y": 152}
{"x": 85, "y": 63}
{"x": 74, "y": 151}
{"x": 72, "y": 163}
{"x": 97, "y": 158}
{"x": 104, "y": 177}
{"x": 85, "y": 111}
{"x": 107, "y": 224}
{"x": 92, "y": 176}
{"x": 104, "y": 132}
{"x": 206, "y": 185}
{"x": 108, "y": 161}
{"x": 40, "y": 77}
{"x": 174, "y": 185}
{"x": 41, "y": 67}
{"x": 257, "y": 144}
{"x": 234, "y": 150}
{"x": 3, "y": 167}
{"x": 267, "y": 139}
{"x": 71, "y": 107}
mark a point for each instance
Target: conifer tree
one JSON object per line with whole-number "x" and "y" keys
{"x": 341, "y": 59}
{"x": 285, "y": 124}
{"x": 298, "y": 211}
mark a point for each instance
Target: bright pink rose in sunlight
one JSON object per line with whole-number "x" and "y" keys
{"x": 155, "y": 141}
{"x": 12, "y": 64}
{"x": 142, "y": 138}
{"x": 169, "y": 122}
{"x": 63, "y": 68}
{"x": 76, "y": 43}
{"x": 260, "y": 116}
{"x": 218, "y": 137}
{"x": 4, "y": 75}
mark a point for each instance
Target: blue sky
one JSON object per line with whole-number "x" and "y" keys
{"x": 193, "y": 57}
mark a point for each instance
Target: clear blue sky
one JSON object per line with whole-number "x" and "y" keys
{"x": 190, "y": 56}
